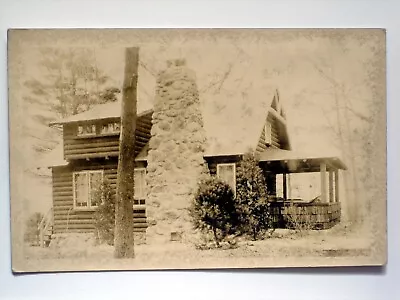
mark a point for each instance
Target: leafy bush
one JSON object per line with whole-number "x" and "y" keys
{"x": 31, "y": 235}
{"x": 104, "y": 216}
{"x": 213, "y": 209}
{"x": 251, "y": 197}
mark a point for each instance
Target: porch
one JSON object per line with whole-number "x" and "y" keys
{"x": 320, "y": 212}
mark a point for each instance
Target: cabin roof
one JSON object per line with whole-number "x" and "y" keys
{"x": 107, "y": 110}
{"x": 229, "y": 132}
{"x": 54, "y": 158}
{"x": 224, "y": 136}
{"x": 236, "y": 132}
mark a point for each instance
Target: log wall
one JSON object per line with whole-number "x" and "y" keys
{"x": 68, "y": 219}
{"x": 261, "y": 146}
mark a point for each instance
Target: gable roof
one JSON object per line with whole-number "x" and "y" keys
{"x": 237, "y": 130}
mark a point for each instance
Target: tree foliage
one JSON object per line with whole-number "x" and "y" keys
{"x": 251, "y": 197}
{"x": 213, "y": 209}
{"x": 104, "y": 216}
{"x": 71, "y": 82}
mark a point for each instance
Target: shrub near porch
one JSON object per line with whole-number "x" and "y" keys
{"x": 252, "y": 198}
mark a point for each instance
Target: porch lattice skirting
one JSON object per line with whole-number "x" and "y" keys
{"x": 309, "y": 215}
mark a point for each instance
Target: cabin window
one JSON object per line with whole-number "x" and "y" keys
{"x": 268, "y": 134}
{"x": 109, "y": 128}
{"x": 227, "y": 173}
{"x": 139, "y": 201}
{"x": 86, "y": 186}
{"x": 140, "y": 185}
{"x": 86, "y": 130}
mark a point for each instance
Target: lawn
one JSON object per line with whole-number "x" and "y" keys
{"x": 335, "y": 246}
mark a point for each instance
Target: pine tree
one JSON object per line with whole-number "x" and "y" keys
{"x": 251, "y": 197}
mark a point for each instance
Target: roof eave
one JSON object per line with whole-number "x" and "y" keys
{"x": 210, "y": 155}
{"x": 61, "y": 122}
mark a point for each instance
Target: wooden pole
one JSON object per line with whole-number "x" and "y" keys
{"x": 41, "y": 235}
{"x": 124, "y": 238}
{"x": 331, "y": 199}
{"x": 336, "y": 185}
{"x": 284, "y": 187}
{"x": 323, "y": 182}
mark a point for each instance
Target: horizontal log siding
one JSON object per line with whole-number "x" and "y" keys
{"x": 101, "y": 146}
{"x": 66, "y": 219}
{"x": 274, "y": 135}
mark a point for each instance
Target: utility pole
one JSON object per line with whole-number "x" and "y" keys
{"x": 124, "y": 236}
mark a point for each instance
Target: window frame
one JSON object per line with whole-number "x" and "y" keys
{"x": 268, "y": 133}
{"x": 89, "y": 196}
{"x": 234, "y": 174}
{"x": 114, "y": 132}
{"x": 142, "y": 169}
{"x": 91, "y": 134}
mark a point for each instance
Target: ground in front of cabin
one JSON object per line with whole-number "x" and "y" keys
{"x": 336, "y": 246}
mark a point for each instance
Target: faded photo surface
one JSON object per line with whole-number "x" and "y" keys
{"x": 252, "y": 148}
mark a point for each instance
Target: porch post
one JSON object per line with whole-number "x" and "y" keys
{"x": 284, "y": 186}
{"x": 323, "y": 182}
{"x": 336, "y": 185}
{"x": 331, "y": 199}
{"x": 270, "y": 180}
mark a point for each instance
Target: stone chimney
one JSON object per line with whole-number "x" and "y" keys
{"x": 175, "y": 158}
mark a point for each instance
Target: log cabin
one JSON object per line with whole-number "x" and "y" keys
{"x": 89, "y": 155}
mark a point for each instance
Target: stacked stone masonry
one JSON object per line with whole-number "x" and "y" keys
{"x": 176, "y": 149}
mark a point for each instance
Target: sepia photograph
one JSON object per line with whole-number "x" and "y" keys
{"x": 150, "y": 149}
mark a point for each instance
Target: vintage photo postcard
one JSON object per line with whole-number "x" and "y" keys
{"x": 197, "y": 148}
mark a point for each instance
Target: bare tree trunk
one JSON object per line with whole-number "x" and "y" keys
{"x": 338, "y": 89}
{"x": 124, "y": 238}
{"x": 348, "y": 197}
{"x": 96, "y": 72}
{"x": 63, "y": 102}
{"x": 356, "y": 203}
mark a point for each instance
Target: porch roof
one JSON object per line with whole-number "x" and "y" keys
{"x": 289, "y": 161}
